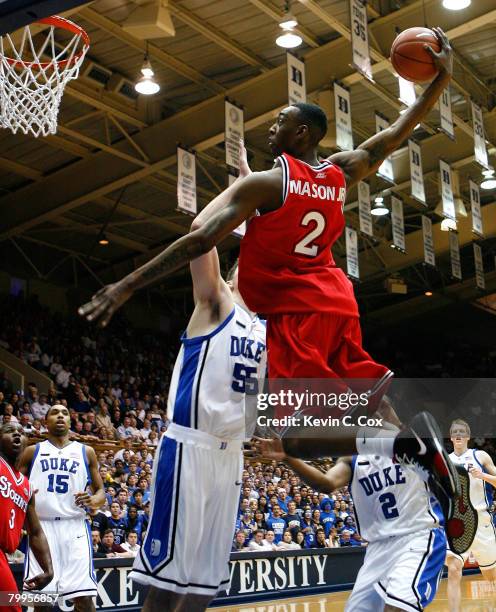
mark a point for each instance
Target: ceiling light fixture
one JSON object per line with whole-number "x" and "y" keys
{"x": 147, "y": 84}
{"x": 104, "y": 241}
{"x": 290, "y": 39}
{"x": 448, "y": 225}
{"x": 428, "y": 294}
{"x": 489, "y": 181}
{"x": 456, "y": 5}
{"x": 379, "y": 209}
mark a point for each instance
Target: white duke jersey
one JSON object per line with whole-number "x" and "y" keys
{"x": 480, "y": 491}
{"x": 390, "y": 500}
{"x": 216, "y": 378}
{"x": 57, "y": 474}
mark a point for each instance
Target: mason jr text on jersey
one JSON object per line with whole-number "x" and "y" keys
{"x": 313, "y": 190}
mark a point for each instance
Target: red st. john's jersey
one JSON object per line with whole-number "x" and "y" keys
{"x": 286, "y": 265}
{"x": 15, "y": 494}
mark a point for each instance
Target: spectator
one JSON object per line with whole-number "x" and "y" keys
{"x": 40, "y": 407}
{"x": 300, "y": 539}
{"x": 308, "y": 528}
{"x": 116, "y": 523}
{"x": 345, "y": 538}
{"x": 320, "y": 541}
{"x": 276, "y": 523}
{"x": 98, "y": 521}
{"x": 287, "y": 542}
{"x": 96, "y": 541}
{"x": 269, "y": 540}
{"x": 257, "y": 543}
{"x": 109, "y": 548}
{"x": 239, "y": 542}
{"x": 131, "y": 544}
{"x": 134, "y": 522}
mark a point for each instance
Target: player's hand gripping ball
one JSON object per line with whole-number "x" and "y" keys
{"x": 419, "y": 54}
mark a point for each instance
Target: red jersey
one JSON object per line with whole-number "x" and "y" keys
{"x": 15, "y": 493}
{"x": 286, "y": 264}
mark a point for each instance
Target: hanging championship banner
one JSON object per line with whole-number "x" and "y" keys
{"x": 360, "y": 38}
{"x": 364, "y": 209}
{"x": 446, "y": 115}
{"x": 240, "y": 231}
{"x": 186, "y": 182}
{"x": 297, "y": 87}
{"x": 456, "y": 264}
{"x": 479, "y": 137}
{"x": 352, "y": 253}
{"x": 342, "y": 106}
{"x": 416, "y": 174}
{"x": 408, "y": 94}
{"x": 234, "y": 130}
{"x": 429, "y": 253}
{"x": 398, "y": 223}
{"x": 479, "y": 267}
{"x": 386, "y": 169}
{"x": 475, "y": 205}
{"x": 447, "y": 190}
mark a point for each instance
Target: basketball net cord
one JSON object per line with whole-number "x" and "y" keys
{"x": 31, "y": 91}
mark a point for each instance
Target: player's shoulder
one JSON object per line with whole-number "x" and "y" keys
{"x": 482, "y": 456}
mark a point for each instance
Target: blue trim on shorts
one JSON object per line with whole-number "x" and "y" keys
{"x": 158, "y": 548}
{"x": 92, "y": 566}
{"x": 427, "y": 583}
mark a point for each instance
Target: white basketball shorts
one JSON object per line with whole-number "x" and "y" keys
{"x": 484, "y": 545}
{"x": 195, "y": 497}
{"x": 403, "y": 572}
{"x": 69, "y": 541}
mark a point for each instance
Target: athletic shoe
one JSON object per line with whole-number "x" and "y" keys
{"x": 421, "y": 446}
{"x": 462, "y": 527}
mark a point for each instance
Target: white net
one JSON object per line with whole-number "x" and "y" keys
{"x": 33, "y": 77}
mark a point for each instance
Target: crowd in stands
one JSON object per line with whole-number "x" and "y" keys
{"x": 115, "y": 384}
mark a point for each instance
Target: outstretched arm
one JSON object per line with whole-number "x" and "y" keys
{"x": 259, "y": 190}
{"x": 39, "y": 545}
{"x": 368, "y": 157}
{"x": 335, "y": 478}
{"x": 209, "y": 288}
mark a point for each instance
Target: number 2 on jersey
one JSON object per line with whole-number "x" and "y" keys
{"x": 304, "y": 247}
{"x": 388, "y": 501}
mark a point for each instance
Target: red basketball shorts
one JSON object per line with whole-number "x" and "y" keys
{"x": 7, "y": 585}
{"x": 324, "y": 346}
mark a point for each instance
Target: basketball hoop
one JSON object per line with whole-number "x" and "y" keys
{"x": 32, "y": 80}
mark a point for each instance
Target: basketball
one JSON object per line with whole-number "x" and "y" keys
{"x": 410, "y": 59}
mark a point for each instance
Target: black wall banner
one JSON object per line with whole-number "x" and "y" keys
{"x": 270, "y": 575}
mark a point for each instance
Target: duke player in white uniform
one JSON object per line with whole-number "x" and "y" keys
{"x": 482, "y": 473}
{"x": 197, "y": 470}
{"x": 62, "y": 471}
{"x": 399, "y": 518}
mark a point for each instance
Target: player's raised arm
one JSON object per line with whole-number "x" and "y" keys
{"x": 368, "y": 157}
{"x": 259, "y": 190}
{"x": 489, "y": 475}
{"x": 209, "y": 287}
{"x": 39, "y": 545}
{"x": 97, "y": 500}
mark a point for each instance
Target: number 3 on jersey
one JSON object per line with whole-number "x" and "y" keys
{"x": 12, "y": 519}
{"x": 304, "y": 246}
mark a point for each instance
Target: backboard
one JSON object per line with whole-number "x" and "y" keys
{"x": 15, "y": 14}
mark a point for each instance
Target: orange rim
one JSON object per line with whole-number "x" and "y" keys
{"x": 65, "y": 24}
